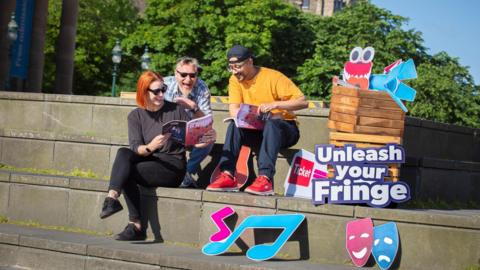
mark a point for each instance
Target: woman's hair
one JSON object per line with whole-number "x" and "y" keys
{"x": 143, "y": 83}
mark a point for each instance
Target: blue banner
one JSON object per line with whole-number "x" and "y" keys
{"x": 21, "y": 47}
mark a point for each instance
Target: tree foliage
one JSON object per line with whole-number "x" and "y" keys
{"x": 275, "y": 30}
{"x": 446, "y": 92}
{"x": 445, "y": 89}
{"x": 99, "y": 23}
{"x": 308, "y": 48}
{"x": 360, "y": 25}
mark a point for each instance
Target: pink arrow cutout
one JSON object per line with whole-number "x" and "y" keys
{"x": 218, "y": 218}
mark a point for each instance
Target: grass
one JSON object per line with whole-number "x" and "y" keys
{"x": 75, "y": 172}
{"x": 5, "y": 220}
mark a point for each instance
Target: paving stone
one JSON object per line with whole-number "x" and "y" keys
{"x": 88, "y": 184}
{"x": 26, "y": 153}
{"x": 104, "y": 264}
{"x": 306, "y": 206}
{"x": 4, "y": 176}
{"x": 8, "y": 254}
{"x": 46, "y": 205}
{"x": 240, "y": 198}
{"x": 85, "y": 157}
{"x": 122, "y": 253}
{"x": 437, "y": 247}
{"x": 43, "y": 180}
{"x": 4, "y": 195}
{"x": 49, "y": 244}
{"x": 48, "y": 260}
{"x": 24, "y": 114}
{"x": 110, "y": 120}
{"x": 180, "y": 193}
{"x": 68, "y": 118}
{"x": 8, "y": 238}
{"x": 175, "y": 220}
{"x": 84, "y": 209}
{"x": 430, "y": 217}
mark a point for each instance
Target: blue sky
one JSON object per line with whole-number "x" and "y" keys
{"x": 447, "y": 25}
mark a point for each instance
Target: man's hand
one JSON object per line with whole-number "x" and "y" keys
{"x": 186, "y": 102}
{"x": 289, "y": 105}
{"x": 266, "y": 107}
{"x": 207, "y": 138}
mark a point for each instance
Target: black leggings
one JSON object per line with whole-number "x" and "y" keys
{"x": 130, "y": 170}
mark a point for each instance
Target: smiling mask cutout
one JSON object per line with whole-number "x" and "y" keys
{"x": 357, "y": 71}
{"x": 385, "y": 244}
{"x": 359, "y": 240}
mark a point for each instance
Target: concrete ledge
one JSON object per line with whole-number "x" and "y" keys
{"x": 240, "y": 198}
{"x": 456, "y": 218}
{"x": 182, "y": 216}
{"x": 76, "y": 251}
{"x": 88, "y": 184}
{"x": 4, "y": 176}
{"x": 42, "y": 180}
{"x": 306, "y": 206}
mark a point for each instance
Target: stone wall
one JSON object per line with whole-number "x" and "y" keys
{"x": 439, "y": 239}
{"x": 65, "y": 132}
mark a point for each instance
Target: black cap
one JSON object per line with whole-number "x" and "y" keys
{"x": 240, "y": 52}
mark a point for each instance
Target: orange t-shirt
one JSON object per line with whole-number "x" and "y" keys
{"x": 267, "y": 86}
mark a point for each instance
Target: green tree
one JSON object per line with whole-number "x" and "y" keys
{"x": 99, "y": 24}
{"x": 361, "y": 25}
{"x": 446, "y": 92}
{"x": 276, "y": 31}
{"x": 445, "y": 89}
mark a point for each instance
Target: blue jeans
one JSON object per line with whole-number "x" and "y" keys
{"x": 277, "y": 134}
{"x": 197, "y": 155}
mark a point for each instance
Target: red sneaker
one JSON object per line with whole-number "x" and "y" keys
{"x": 224, "y": 182}
{"x": 261, "y": 186}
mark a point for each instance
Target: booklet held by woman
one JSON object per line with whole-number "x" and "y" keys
{"x": 191, "y": 132}
{"x": 248, "y": 117}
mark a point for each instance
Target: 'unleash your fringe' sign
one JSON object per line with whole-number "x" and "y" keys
{"x": 359, "y": 175}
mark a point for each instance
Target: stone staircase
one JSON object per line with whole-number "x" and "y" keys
{"x": 181, "y": 218}
{"x": 67, "y": 132}
{"x": 30, "y": 248}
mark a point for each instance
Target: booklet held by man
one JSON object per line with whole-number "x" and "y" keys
{"x": 248, "y": 117}
{"x": 191, "y": 132}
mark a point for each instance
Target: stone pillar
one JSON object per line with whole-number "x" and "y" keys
{"x": 66, "y": 47}
{"x": 37, "y": 56}
{"x": 328, "y": 7}
{"x": 6, "y": 9}
{"x": 319, "y": 7}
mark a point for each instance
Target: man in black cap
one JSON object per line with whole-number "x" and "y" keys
{"x": 273, "y": 93}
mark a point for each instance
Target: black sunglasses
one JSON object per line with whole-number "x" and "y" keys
{"x": 156, "y": 91}
{"x": 185, "y": 74}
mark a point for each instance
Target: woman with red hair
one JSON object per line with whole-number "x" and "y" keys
{"x": 152, "y": 160}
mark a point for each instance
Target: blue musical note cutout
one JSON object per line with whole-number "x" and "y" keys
{"x": 288, "y": 222}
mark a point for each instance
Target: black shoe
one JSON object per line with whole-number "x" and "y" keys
{"x": 131, "y": 233}
{"x": 110, "y": 207}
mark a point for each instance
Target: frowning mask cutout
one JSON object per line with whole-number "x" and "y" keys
{"x": 359, "y": 240}
{"x": 357, "y": 70}
{"x": 385, "y": 244}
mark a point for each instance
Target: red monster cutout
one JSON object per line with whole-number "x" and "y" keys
{"x": 357, "y": 71}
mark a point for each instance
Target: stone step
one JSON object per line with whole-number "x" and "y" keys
{"x": 182, "y": 216}
{"x": 33, "y": 248}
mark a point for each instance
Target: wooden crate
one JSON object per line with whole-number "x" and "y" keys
{"x": 365, "y": 112}
{"x": 364, "y": 141}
